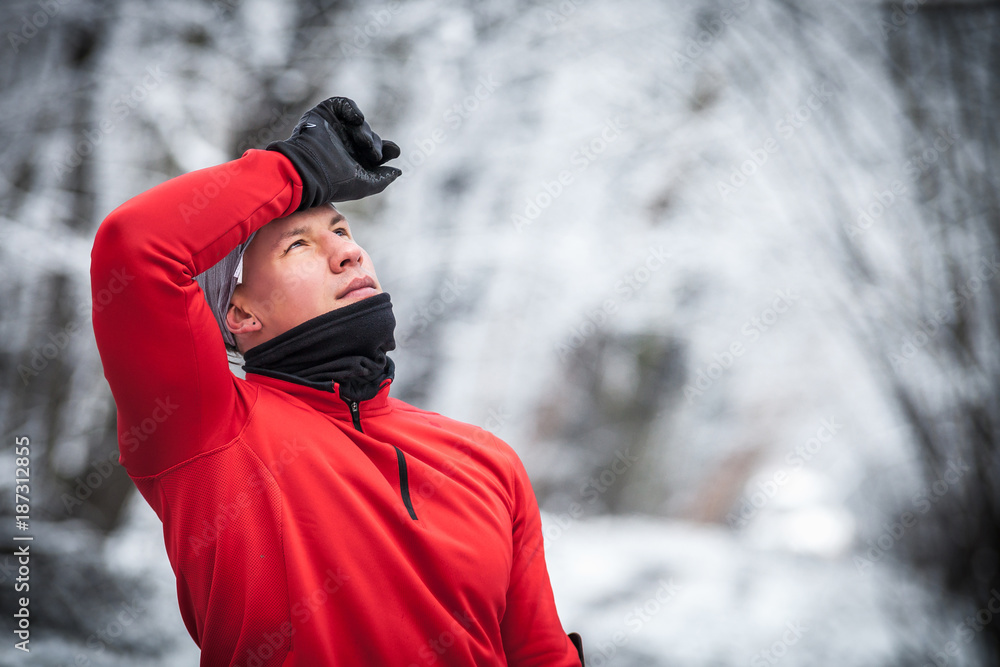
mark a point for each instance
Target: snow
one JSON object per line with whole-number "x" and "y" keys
{"x": 643, "y": 591}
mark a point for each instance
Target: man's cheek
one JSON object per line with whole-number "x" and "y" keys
{"x": 301, "y": 275}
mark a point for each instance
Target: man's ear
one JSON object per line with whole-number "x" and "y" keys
{"x": 239, "y": 321}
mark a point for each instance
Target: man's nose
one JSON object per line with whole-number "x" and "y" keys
{"x": 343, "y": 252}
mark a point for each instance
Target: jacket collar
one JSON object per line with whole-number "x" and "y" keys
{"x": 328, "y": 402}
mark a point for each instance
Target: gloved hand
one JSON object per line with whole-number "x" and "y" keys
{"x": 337, "y": 154}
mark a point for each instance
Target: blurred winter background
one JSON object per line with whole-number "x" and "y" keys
{"x": 724, "y": 273}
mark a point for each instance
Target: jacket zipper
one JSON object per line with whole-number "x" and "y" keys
{"x": 404, "y": 483}
{"x": 356, "y": 415}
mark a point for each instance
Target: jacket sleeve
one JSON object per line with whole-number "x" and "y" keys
{"x": 531, "y": 630}
{"x": 162, "y": 351}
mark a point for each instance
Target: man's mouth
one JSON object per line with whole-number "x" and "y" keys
{"x": 365, "y": 283}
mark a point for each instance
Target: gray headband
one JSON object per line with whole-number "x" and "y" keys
{"x": 219, "y": 282}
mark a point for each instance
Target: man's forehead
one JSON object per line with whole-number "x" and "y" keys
{"x": 299, "y": 223}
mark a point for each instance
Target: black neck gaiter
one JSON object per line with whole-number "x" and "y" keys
{"x": 347, "y": 346}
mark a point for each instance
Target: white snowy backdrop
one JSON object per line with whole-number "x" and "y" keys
{"x": 723, "y": 273}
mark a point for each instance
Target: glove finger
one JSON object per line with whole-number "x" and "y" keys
{"x": 365, "y": 144}
{"x": 346, "y": 110}
{"x": 390, "y": 151}
{"x": 361, "y": 149}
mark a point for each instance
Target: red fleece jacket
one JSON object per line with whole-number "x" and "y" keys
{"x": 301, "y": 534}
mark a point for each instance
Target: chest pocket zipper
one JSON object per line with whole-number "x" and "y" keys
{"x": 404, "y": 482}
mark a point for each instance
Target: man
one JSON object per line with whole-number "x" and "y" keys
{"x": 310, "y": 519}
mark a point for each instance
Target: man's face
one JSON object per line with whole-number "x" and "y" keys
{"x": 297, "y": 268}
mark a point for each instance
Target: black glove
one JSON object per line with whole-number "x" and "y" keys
{"x": 337, "y": 154}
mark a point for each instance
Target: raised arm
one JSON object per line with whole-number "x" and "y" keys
{"x": 162, "y": 351}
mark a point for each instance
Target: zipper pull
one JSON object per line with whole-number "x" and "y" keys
{"x": 356, "y": 415}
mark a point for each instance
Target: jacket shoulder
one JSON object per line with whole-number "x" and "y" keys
{"x": 480, "y": 438}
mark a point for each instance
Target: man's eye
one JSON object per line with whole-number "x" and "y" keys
{"x": 293, "y": 244}
{"x": 341, "y": 231}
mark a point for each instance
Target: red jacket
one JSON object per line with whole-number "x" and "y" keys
{"x": 301, "y": 534}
